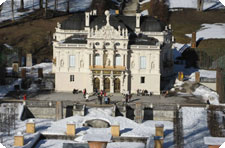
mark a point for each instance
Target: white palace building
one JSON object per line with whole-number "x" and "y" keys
{"x": 114, "y": 53}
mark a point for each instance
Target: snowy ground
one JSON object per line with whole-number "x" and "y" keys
{"x": 195, "y": 127}
{"x": 209, "y": 4}
{"x": 210, "y": 31}
{"x": 32, "y": 71}
{"x": 6, "y": 14}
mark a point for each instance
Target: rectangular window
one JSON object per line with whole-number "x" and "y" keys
{"x": 71, "y": 78}
{"x": 143, "y": 62}
{"x": 72, "y": 61}
{"x": 142, "y": 79}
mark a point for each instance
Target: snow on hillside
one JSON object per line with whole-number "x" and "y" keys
{"x": 195, "y": 127}
{"x": 6, "y": 14}
{"x": 210, "y": 31}
{"x": 193, "y": 4}
{"x": 209, "y": 4}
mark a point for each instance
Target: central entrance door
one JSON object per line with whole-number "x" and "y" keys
{"x": 117, "y": 85}
{"x": 106, "y": 85}
{"x": 96, "y": 85}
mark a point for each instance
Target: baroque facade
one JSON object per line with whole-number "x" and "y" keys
{"x": 114, "y": 53}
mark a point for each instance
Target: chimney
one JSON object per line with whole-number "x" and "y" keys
{"x": 19, "y": 139}
{"x": 193, "y": 40}
{"x": 30, "y": 127}
{"x": 138, "y": 22}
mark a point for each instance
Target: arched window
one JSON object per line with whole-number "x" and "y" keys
{"x": 118, "y": 60}
{"x": 98, "y": 60}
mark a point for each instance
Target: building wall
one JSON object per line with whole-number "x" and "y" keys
{"x": 81, "y": 81}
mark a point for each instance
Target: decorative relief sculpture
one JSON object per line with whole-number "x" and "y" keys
{"x": 61, "y": 63}
{"x": 132, "y": 64}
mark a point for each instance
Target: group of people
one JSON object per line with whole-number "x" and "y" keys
{"x": 102, "y": 94}
{"x": 143, "y": 92}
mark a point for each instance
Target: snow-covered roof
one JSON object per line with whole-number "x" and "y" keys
{"x": 214, "y": 140}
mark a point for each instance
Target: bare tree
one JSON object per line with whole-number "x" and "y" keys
{"x": 12, "y": 5}
{"x": 1, "y": 6}
{"x": 56, "y": 5}
{"x": 46, "y": 7}
{"x": 40, "y": 4}
{"x": 21, "y": 4}
{"x": 68, "y": 6}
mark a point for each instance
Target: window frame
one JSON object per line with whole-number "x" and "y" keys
{"x": 72, "y": 78}
{"x": 143, "y": 62}
{"x": 142, "y": 80}
{"x": 72, "y": 64}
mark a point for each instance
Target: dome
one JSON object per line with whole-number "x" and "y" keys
{"x": 151, "y": 24}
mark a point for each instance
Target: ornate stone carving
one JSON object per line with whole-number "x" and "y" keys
{"x": 108, "y": 31}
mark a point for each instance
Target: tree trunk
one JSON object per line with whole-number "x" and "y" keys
{"x": 1, "y": 8}
{"x": 46, "y": 7}
{"x": 56, "y": 5}
{"x": 21, "y": 4}
{"x": 68, "y": 6}
{"x": 40, "y": 4}
{"x": 12, "y": 5}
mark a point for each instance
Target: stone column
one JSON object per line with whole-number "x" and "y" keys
{"x": 138, "y": 113}
{"x": 59, "y": 110}
{"x": 101, "y": 81}
{"x": 23, "y": 73}
{"x": 111, "y": 83}
{"x": 29, "y": 60}
{"x": 122, "y": 58}
{"x": 40, "y": 72}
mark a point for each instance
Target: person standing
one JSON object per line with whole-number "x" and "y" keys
{"x": 87, "y": 97}
{"x": 84, "y": 93}
{"x": 100, "y": 99}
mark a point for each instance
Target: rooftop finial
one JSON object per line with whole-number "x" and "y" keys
{"x": 107, "y": 17}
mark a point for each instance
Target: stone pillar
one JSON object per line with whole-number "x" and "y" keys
{"x": 111, "y": 83}
{"x": 29, "y": 60}
{"x": 193, "y": 40}
{"x": 40, "y": 72}
{"x": 71, "y": 129}
{"x": 200, "y": 4}
{"x": 159, "y": 130}
{"x": 19, "y": 139}
{"x": 180, "y": 76}
{"x": 197, "y": 77}
{"x": 15, "y": 67}
{"x": 30, "y": 127}
{"x": 115, "y": 130}
{"x": 59, "y": 110}
{"x": 158, "y": 142}
{"x": 23, "y": 73}
{"x": 138, "y": 113}
{"x": 101, "y": 81}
